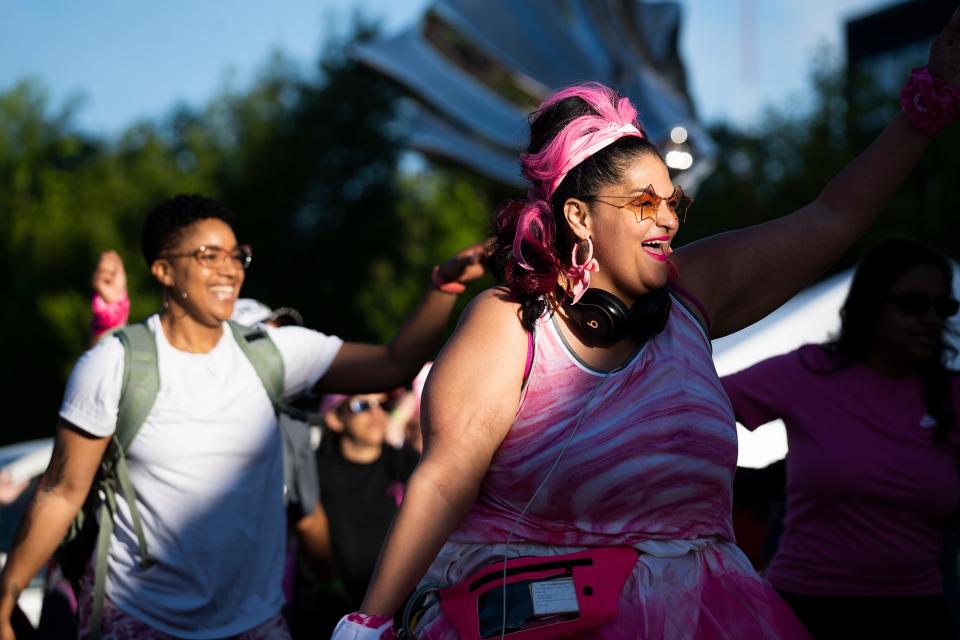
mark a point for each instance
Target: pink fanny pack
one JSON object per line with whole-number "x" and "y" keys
{"x": 546, "y": 596}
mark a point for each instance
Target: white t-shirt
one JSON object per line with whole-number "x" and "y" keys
{"x": 207, "y": 470}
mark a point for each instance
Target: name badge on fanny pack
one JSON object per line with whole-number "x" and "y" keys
{"x": 546, "y": 596}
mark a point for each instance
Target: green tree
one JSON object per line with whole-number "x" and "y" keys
{"x": 65, "y": 196}
{"x": 439, "y": 211}
{"x": 785, "y": 161}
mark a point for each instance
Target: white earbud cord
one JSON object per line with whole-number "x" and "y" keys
{"x": 506, "y": 549}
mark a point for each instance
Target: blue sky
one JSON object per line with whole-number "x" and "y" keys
{"x": 131, "y": 60}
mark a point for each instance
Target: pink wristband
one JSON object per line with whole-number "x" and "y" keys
{"x": 446, "y": 287}
{"x": 109, "y": 315}
{"x": 929, "y": 102}
{"x": 360, "y": 626}
{"x": 368, "y": 621}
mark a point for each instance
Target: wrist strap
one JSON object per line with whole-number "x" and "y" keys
{"x": 446, "y": 287}
{"x": 360, "y": 626}
{"x": 369, "y": 621}
{"x": 931, "y": 103}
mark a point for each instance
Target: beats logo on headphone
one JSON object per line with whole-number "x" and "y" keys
{"x": 602, "y": 319}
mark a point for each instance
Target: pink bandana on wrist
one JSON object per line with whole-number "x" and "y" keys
{"x": 109, "y": 315}
{"x": 369, "y": 621}
{"x": 929, "y": 102}
{"x": 360, "y": 626}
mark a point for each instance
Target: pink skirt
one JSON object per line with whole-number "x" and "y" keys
{"x": 679, "y": 590}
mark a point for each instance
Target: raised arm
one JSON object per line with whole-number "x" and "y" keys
{"x": 61, "y": 492}
{"x": 369, "y": 367}
{"x": 741, "y": 276}
{"x": 469, "y": 404}
{"x": 111, "y": 306}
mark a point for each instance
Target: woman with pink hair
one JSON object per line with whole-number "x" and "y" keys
{"x": 580, "y": 449}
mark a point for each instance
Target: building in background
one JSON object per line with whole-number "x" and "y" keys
{"x": 475, "y": 68}
{"x": 882, "y": 48}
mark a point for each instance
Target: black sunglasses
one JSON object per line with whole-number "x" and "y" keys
{"x": 914, "y": 303}
{"x": 359, "y": 405}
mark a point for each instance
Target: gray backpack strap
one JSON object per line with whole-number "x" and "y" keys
{"x": 141, "y": 385}
{"x": 119, "y": 478}
{"x": 141, "y": 381}
{"x": 138, "y": 392}
{"x": 265, "y": 358}
{"x": 100, "y": 568}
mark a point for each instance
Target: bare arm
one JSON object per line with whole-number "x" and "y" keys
{"x": 470, "y": 402}
{"x": 743, "y": 275}
{"x": 60, "y": 494}
{"x": 313, "y": 532}
{"x": 369, "y": 367}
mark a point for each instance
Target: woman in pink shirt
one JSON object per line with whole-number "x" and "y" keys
{"x": 574, "y": 423}
{"x": 872, "y": 470}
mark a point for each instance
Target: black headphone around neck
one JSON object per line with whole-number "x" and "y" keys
{"x": 602, "y": 319}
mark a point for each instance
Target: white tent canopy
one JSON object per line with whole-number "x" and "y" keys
{"x": 811, "y": 316}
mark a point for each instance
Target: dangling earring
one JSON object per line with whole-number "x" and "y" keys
{"x": 166, "y": 298}
{"x": 579, "y": 274}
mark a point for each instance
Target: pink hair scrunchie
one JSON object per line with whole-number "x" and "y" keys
{"x": 931, "y": 103}
{"x": 109, "y": 315}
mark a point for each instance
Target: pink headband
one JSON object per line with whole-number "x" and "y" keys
{"x": 613, "y": 118}
{"x": 590, "y": 143}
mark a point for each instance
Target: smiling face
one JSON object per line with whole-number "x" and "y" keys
{"x": 205, "y": 290}
{"x": 905, "y": 338}
{"x": 632, "y": 252}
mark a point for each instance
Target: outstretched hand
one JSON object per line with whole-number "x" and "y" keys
{"x": 109, "y": 278}
{"x": 944, "y": 61}
{"x": 465, "y": 265}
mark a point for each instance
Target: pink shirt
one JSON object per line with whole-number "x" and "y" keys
{"x": 652, "y": 459}
{"x": 869, "y": 492}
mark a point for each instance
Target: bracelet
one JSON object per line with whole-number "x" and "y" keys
{"x": 109, "y": 315}
{"x": 368, "y": 621}
{"x": 446, "y": 287}
{"x": 930, "y": 103}
{"x": 360, "y": 626}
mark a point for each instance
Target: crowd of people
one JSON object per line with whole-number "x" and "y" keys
{"x": 240, "y": 475}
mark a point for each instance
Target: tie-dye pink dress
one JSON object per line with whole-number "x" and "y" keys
{"x": 650, "y": 466}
